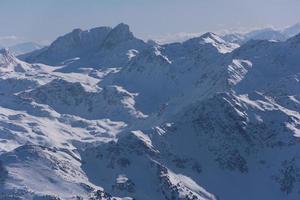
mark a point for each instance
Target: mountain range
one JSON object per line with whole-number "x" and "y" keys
{"x": 263, "y": 34}
{"x": 26, "y": 47}
{"x": 100, "y": 114}
{"x": 22, "y": 48}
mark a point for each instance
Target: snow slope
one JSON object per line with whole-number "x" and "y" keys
{"x": 117, "y": 118}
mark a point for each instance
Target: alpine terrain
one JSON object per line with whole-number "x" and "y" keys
{"x": 100, "y": 115}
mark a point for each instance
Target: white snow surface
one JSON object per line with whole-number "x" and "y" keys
{"x": 118, "y": 118}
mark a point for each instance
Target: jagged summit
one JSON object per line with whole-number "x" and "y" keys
{"x": 120, "y": 33}
{"x": 86, "y": 46}
{"x": 78, "y": 40}
{"x": 7, "y": 58}
{"x": 209, "y": 35}
{"x": 84, "y": 34}
{"x": 72, "y": 45}
{"x": 9, "y": 63}
{"x": 176, "y": 116}
{"x": 205, "y": 36}
{"x": 4, "y": 51}
{"x": 214, "y": 40}
{"x": 122, "y": 29}
{"x": 76, "y": 30}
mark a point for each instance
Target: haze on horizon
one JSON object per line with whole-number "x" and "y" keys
{"x": 43, "y": 21}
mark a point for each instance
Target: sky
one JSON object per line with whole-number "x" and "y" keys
{"x": 44, "y": 20}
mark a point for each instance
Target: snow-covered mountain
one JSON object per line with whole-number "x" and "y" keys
{"x": 263, "y": 34}
{"x": 260, "y": 34}
{"x": 117, "y": 118}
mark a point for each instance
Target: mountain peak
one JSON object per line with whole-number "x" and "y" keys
{"x": 214, "y": 40}
{"x": 209, "y": 34}
{"x": 4, "y": 52}
{"x": 6, "y": 56}
{"x": 208, "y": 37}
{"x": 122, "y": 26}
{"x": 122, "y": 30}
{"x": 119, "y": 34}
{"x": 76, "y": 30}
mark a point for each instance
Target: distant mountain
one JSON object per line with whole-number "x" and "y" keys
{"x": 237, "y": 38}
{"x": 260, "y": 34}
{"x": 266, "y": 34}
{"x": 263, "y": 34}
{"x": 117, "y": 118}
{"x": 23, "y": 48}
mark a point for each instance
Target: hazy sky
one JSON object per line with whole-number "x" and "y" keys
{"x": 44, "y": 20}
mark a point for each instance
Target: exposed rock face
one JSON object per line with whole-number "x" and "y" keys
{"x": 99, "y": 47}
{"x": 118, "y": 118}
{"x": 72, "y": 45}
